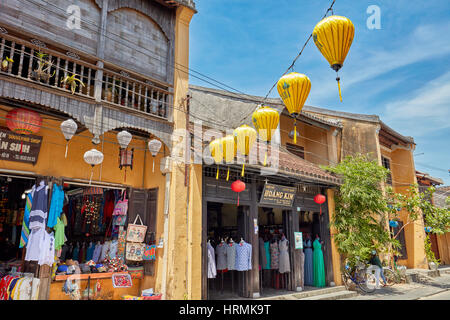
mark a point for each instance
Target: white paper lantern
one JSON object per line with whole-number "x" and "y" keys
{"x": 68, "y": 128}
{"x": 154, "y": 146}
{"x": 93, "y": 157}
{"x": 124, "y": 138}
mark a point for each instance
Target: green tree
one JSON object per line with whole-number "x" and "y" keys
{"x": 361, "y": 207}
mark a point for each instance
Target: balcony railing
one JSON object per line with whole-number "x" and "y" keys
{"x": 47, "y": 67}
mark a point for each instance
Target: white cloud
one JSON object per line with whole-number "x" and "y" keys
{"x": 424, "y": 43}
{"x": 428, "y": 110}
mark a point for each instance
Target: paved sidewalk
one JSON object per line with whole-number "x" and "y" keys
{"x": 412, "y": 291}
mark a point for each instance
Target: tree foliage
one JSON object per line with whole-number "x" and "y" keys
{"x": 361, "y": 206}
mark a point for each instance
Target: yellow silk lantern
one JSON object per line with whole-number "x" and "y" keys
{"x": 333, "y": 37}
{"x": 293, "y": 89}
{"x": 228, "y": 150}
{"x": 244, "y": 137}
{"x": 265, "y": 120}
{"x": 215, "y": 147}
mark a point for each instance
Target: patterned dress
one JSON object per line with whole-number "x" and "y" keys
{"x": 274, "y": 255}
{"x": 284, "y": 265}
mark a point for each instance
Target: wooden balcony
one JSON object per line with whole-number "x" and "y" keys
{"x": 123, "y": 89}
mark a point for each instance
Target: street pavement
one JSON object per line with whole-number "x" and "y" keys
{"x": 429, "y": 288}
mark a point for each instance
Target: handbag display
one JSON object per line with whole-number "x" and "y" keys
{"x": 119, "y": 220}
{"x": 121, "y": 207}
{"x": 149, "y": 252}
{"x": 134, "y": 251}
{"x": 136, "y": 232}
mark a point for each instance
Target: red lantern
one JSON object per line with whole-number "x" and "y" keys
{"x": 238, "y": 186}
{"x": 23, "y": 121}
{"x": 319, "y": 199}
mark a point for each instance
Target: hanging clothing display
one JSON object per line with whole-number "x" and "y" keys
{"x": 39, "y": 211}
{"x": 243, "y": 256}
{"x": 221, "y": 252}
{"x": 231, "y": 255}
{"x": 56, "y": 205}
{"x": 283, "y": 264}
{"x": 274, "y": 255}
{"x": 26, "y": 221}
{"x": 34, "y": 242}
{"x": 212, "y": 271}
{"x": 319, "y": 266}
{"x": 59, "y": 234}
{"x": 262, "y": 254}
{"x": 267, "y": 253}
{"x": 308, "y": 272}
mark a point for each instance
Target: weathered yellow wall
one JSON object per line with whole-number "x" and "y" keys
{"x": 179, "y": 283}
{"x": 312, "y": 139}
{"x": 335, "y": 256}
{"x": 403, "y": 176}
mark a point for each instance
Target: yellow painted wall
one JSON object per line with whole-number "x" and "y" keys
{"x": 312, "y": 139}
{"x": 335, "y": 256}
{"x": 403, "y": 176}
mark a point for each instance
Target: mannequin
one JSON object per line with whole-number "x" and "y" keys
{"x": 319, "y": 266}
{"x": 308, "y": 266}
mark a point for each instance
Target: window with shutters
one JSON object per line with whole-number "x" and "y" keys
{"x": 299, "y": 151}
{"x": 386, "y": 162}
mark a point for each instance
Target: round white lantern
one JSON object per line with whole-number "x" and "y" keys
{"x": 93, "y": 157}
{"x": 68, "y": 128}
{"x": 124, "y": 138}
{"x": 154, "y": 146}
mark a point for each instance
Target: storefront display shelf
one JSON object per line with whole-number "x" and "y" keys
{"x": 85, "y": 276}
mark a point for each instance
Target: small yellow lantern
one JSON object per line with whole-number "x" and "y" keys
{"x": 228, "y": 150}
{"x": 265, "y": 120}
{"x": 333, "y": 37}
{"x": 244, "y": 137}
{"x": 293, "y": 89}
{"x": 215, "y": 147}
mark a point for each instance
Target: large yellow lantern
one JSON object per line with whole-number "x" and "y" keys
{"x": 265, "y": 120}
{"x": 293, "y": 89}
{"x": 215, "y": 147}
{"x": 244, "y": 137}
{"x": 333, "y": 37}
{"x": 228, "y": 150}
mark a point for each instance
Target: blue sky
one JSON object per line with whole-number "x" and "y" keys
{"x": 399, "y": 72}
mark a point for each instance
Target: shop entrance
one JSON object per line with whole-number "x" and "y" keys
{"x": 274, "y": 251}
{"x": 226, "y": 234}
{"x": 13, "y": 193}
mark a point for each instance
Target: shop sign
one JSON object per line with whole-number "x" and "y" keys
{"x": 19, "y": 147}
{"x": 298, "y": 238}
{"x": 278, "y": 195}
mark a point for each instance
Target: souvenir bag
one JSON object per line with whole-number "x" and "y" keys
{"x": 134, "y": 251}
{"x": 149, "y": 252}
{"x": 136, "y": 272}
{"x": 119, "y": 220}
{"x": 121, "y": 207}
{"x": 121, "y": 245}
{"x": 136, "y": 232}
{"x": 122, "y": 280}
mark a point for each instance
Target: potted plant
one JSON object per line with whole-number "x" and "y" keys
{"x": 71, "y": 81}
{"x": 42, "y": 73}
{"x": 5, "y": 63}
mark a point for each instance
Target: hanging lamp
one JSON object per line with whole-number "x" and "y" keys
{"x": 294, "y": 89}
{"x": 333, "y": 37}
{"x": 215, "y": 148}
{"x": 93, "y": 157}
{"x": 265, "y": 120}
{"x": 228, "y": 151}
{"x": 68, "y": 128}
{"x": 245, "y": 137}
{"x": 154, "y": 146}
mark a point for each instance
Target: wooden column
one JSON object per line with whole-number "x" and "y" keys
{"x": 253, "y": 214}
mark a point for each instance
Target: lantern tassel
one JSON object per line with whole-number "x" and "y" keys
{"x": 265, "y": 158}
{"x": 217, "y": 174}
{"x": 238, "y": 200}
{"x": 21, "y": 144}
{"x": 90, "y": 179}
{"x": 125, "y": 180}
{"x": 295, "y": 131}
{"x": 228, "y": 174}
{"x": 243, "y": 168}
{"x": 339, "y": 87}
{"x": 153, "y": 170}
{"x": 67, "y": 146}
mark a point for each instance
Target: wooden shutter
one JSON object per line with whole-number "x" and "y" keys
{"x": 150, "y": 238}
